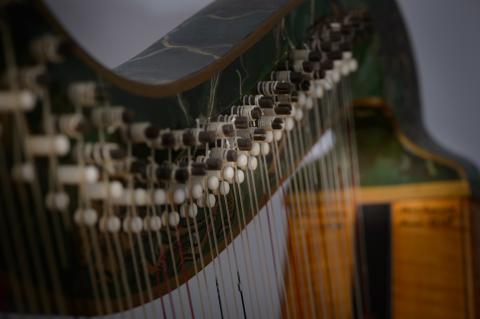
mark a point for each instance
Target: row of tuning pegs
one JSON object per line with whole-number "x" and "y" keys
{"x": 227, "y": 146}
{"x": 134, "y": 223}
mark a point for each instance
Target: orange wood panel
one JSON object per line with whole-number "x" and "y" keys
{"x": 431, "y": 272}
{"x": 319, "y": 236}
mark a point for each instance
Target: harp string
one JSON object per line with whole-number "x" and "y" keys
{"x": 11, "y": 220}
{"x": 84, "y": 239}
{"x": 89, "y": 239}
{"x": 229, "y": 257}
{"x": 341, "y": 206}
{"x": 93, "y": 237}
{"x": 268, "y": 214}
{"x": 246, "y": 249}
{"x": 163, "y": 255}
{"x": 210, "y": 246}
{"x": 16, "y": 255}
{"x": 288, "y": 272}
{"x": 22, "y": 130}
{"x": 301, "y": 208}
{"x": 233, "y": 278}
{"x": 300, "y": 250}
{"x": 277, "y": 262}
{"x": 187, "y": 286}
{"x": 320, "y": 183}
{"x": 162, "y": 258}
{"x": 106, "y": 212}
{"x": 181, "y": 256}
{"x": 361, "y": 266}
{"x": 111, "y": 238}
{"x": 310, "y": 177}
{"x": 196, "y": 269}
{"x": 262, "y": 251}
{"x": 112, "y": 264}
{"x": 202, "y": 263}
{"x": 188, "y": 219}
{"x": 265, "y": 231}
{"x": 311, "y": 212}
{"x": 246, "y": 246}
{"x": 143, "y": 259}
{"x": 253, "y": 226}
{"x": 343, "y": 286}
{"x": 361, "y": 272}
{"x": 157, "y": 259}
{"x": 298, "y": 215}
{"x": 323, "y": 201}
{"x": 331, "y": 249}
{"x": 348, "y": 190}
{"x": 323, "y": 204}
{"x": 229, "y": 223}
{"x": 150, "y": 213}
{"x": 300, "y": 191}
{"x": 332, "y": 218}
{"x": 129, "y": 215}
{"x": 208, "y": 210}
{"x": 240, "y": 287}
{"x": 289, "y": 212}
{"x": 180, "y": 246}
{"x": 123, "y": 272}
{"x": 305, "y": 191}
{"x": 53, "y": 185}
{"x": 210, "y": 222}
{"x": 282, "y": 181}
{"x": 173, "y": 261}
{"x": 200, "y": 251}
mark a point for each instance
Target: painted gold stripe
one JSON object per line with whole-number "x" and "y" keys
{"x": 382, "y": 194}
{"x": 389, "y": 193}
{"x": 377, "y": 102}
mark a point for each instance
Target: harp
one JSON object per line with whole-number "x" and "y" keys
{"x": 279, "y": 169}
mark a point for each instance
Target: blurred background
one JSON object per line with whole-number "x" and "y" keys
{"x": 444, "y": 35}
{"x": 446, "y": 45}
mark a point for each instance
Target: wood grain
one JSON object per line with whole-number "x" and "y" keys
{"x": 431, "y": 273}
{"x": 320, "y": 235}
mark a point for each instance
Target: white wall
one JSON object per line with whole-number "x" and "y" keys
{"x": 115, "y": 30}
{"x": 446, "y": 42}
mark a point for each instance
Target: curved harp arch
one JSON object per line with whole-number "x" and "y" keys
{"x": 173, "y": 84}
{"x": 233, "y": 190}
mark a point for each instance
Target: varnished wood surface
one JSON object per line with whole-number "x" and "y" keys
{"x": 431, "y": 275}
{"x": 321, "y": 236}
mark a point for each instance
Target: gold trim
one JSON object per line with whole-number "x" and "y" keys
{"x": 423, "y": 153}
{"x": 385, "y": 194}
{"x": 390, "y": 193}
{"x": 469, "y": 263}
{"x": 378, "y": 102}
{"x": 370, "y": 101}
{"x": 179, "y": 85}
